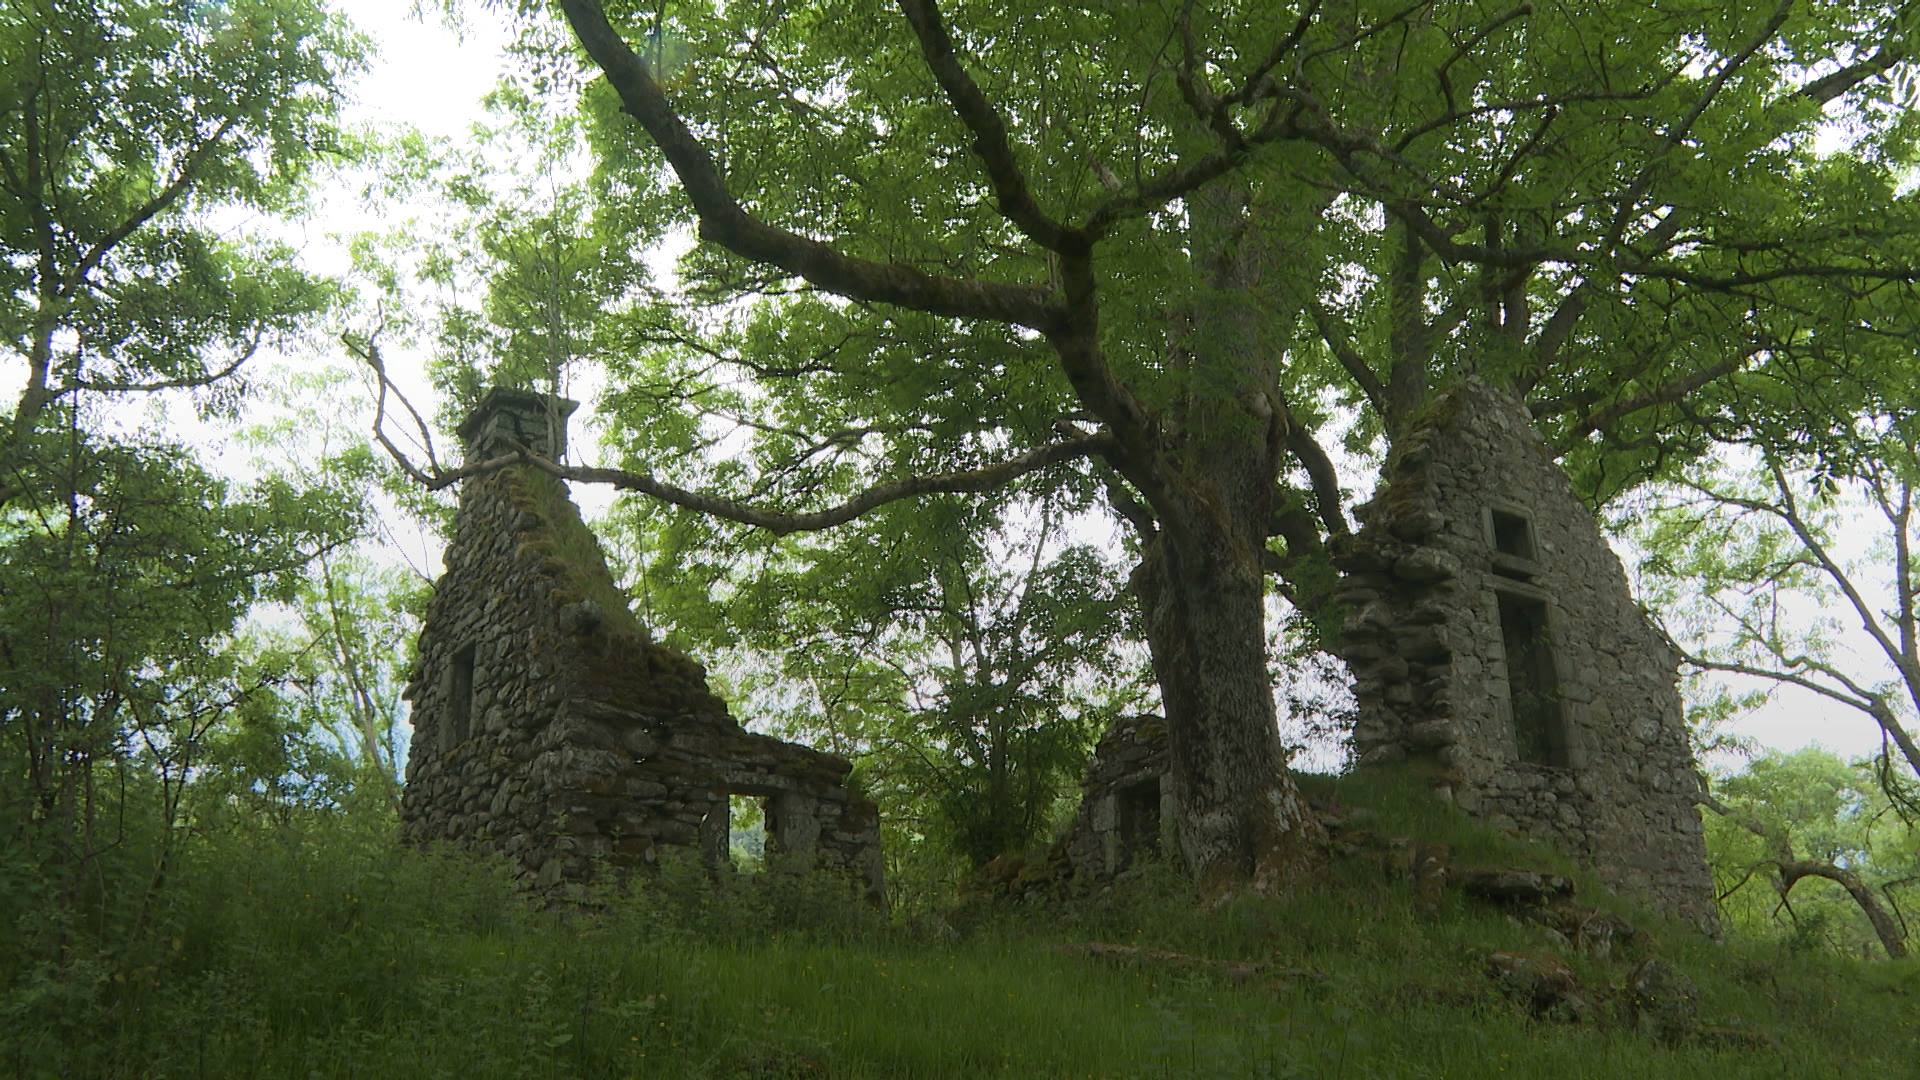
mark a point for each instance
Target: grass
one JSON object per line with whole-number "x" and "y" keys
{"x": 315, "y": 951}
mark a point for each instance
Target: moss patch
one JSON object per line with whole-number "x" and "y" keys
{"x": 570, "y": 549}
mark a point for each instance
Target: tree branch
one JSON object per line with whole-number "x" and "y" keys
{"x": 1792, "y": 870}
{"x": 1667, "y": 394}
{"x": 1356, "y": 365}
{"x": 147, "y": 211}
{"x": 723, "y": 221}
{"x": 184, "y": 382}
{"x": 1321, "y": 473}
{"x": 1825, "y": 89}
{"x": 1629, "y": 207}
{"x": 989, "y": 132}
{"x": 964, "y": 481}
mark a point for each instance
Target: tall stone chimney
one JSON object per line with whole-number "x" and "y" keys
{"x": 507, "y": 418}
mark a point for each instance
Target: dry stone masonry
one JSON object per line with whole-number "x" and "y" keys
{"x": 1124, "y": 815}
{"x": 1495, "y": 645}
{"x": 549, "y": 728}
{"x": 1493, "y": 637}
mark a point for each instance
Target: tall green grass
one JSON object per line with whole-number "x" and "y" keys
{"x": 317, "y": 948}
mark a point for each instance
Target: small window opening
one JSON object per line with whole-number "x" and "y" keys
{"x": 1512, "y": 534}
{"x": 1139, "y": 821}
{"x": 1533, "y": 690}
{"x": 460, "y": 697}
{"x": 750, "y": 826}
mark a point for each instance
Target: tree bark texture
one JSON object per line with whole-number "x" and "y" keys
{"x": 1240, "y": 818}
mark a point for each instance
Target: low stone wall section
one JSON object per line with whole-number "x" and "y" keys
{"x": 1124, "y": 816}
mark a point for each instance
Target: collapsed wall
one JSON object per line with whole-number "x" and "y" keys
{"x": 1124, "y": 816}
{"x": 1493, "y": 637}
{"x": 550, "y": 729}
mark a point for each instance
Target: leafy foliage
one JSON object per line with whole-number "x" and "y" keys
{"x": 1828, "y": 810}
{"x": 126, "y": 129}
{"x": 966, "y": 668}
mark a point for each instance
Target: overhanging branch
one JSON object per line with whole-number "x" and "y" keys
{"x": 434, "y": 477}
{"x": 725, "y": 222}
{"x": 965, "y": 481}
{"x": 989, "y": 132}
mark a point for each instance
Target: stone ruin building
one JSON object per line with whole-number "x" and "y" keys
{"x": 548, "y": 726}
{"x": 1125, "y": 815}
{"x": 1495, "y": 644}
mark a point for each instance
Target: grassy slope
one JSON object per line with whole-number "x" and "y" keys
{"x": 310, "y": 953}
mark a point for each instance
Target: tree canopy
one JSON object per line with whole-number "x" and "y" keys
{"x": 1191, "y": 245}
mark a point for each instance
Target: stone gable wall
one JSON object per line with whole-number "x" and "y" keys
{"x": 1425, "y": 578}
{"x": 588, "y": 746}
{"x": 489, "y": 790}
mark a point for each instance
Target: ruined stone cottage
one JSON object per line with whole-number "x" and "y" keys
{"x": 550, "y": 728}
{"x": 1125, "y": 814}
{"x": 1493, "y": 640}
{"x": 1493, "y": 636}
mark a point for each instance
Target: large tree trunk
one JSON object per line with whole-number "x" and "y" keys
{"x": 1239, "y": 818}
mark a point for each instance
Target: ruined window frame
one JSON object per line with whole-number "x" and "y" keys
{"x": 1517, "y": 565}
{"x": 1563, "y": 751}
{"x": 463, "y": 671}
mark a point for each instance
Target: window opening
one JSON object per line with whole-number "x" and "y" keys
{"x": 749, "y": 826}
{"x": 1533, "y": 690}
{"x": 1512, "y": 534}
{"x": 460, "y": 697}
{"x": 1139, "y": 821}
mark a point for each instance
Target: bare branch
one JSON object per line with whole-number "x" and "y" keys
{"x": 966, "y": 481}
{"x": 1861, "y": 700}
{"x": 1126, "y": 504}
{"x": 1746, "y": 278}
{"x": 369, "y": 352}
{"x": 1788, "y": 511}
{"x": 1566, "y": 315}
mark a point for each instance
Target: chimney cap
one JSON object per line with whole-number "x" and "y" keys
{"x": 500, "y": 399}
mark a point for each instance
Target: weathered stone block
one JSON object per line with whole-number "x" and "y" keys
{"x": 1430, "y": 735}
{"x": 1426, "y": 565}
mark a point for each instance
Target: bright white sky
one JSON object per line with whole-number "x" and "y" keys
{"x": 431, "y": 78}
